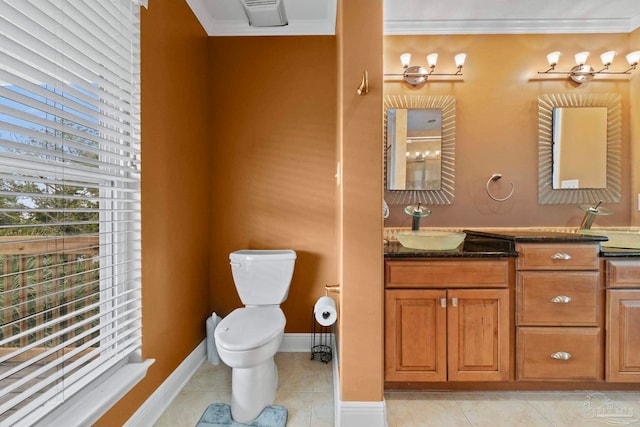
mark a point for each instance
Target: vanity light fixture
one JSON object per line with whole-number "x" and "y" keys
{"x": 582, "y": 72}
{"x": 415, "y": 74}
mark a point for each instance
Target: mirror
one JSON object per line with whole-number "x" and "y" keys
{"x": 414, "y": 138}
{"x": 419, "y": 142}
{"x": 579, "y": 148}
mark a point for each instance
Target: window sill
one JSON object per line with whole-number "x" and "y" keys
{"x": 85, "y": 408}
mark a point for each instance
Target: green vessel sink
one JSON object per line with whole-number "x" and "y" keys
{"x": 430, "y": 240}
{"x": 617, "y": 238}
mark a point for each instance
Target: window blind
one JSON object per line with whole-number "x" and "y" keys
{"x": 69, "y": 199}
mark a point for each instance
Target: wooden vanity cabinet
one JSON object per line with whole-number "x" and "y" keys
{"x": 558, "y": 312}
{"x": 447, "y": 320}
{"x": 623, "y": 320}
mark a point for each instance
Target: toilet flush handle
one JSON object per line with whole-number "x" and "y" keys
{"x": 235, "y": 264}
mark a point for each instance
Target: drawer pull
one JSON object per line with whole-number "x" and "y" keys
{"x": 454, "y": 302}
{"x": 561, "y": 355}
{"x": 561, "y": 255}
{"x": 443, "y": 302}
{"x": 561, "y": 299}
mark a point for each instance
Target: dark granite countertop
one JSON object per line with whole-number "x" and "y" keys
{"x": 498, "y": 243}
{"x": 619, "y": 252}
{"x": 537, "y": 236}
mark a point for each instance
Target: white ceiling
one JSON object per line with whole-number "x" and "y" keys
{"x": 317, "y": 17}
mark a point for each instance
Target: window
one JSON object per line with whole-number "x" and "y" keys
{"x": 69, "y": 200}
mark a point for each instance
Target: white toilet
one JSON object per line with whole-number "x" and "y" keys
{"x": 249, "y": 337}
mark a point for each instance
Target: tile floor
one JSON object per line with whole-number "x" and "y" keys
{"x": 306, "y": 390}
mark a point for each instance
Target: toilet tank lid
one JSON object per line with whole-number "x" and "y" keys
{"x": 262, "y": 254}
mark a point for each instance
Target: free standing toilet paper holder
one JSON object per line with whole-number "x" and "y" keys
{"x": 321, "y": 335}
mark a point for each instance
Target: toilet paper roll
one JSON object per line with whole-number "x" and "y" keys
{"x": 325, "y": 311}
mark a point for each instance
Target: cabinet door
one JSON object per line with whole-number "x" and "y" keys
{"x": 623, "y": 339}
{"x": 478, "y": 335}
{"x": 415, "y": 335}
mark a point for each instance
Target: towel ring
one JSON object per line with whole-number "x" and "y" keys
{"x": 493, "y": 178}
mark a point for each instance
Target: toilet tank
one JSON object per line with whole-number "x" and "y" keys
{"x": 262, "y": 277}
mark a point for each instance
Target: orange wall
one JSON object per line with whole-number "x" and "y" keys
{"x": 360, "y": 201}
{"x": 176, "y": 215}
{"x": 272, "y": 174}
{"x": 497, "y": 121}
{"x": 635, "y": 136}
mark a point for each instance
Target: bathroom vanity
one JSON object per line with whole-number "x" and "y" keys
{"x": 513, "y": 310}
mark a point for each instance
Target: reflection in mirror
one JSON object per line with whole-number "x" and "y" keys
{"x": 570, "y": 169}
{"x": 419, "y": 143}
{"x": 415, "y": 142}
{"x": 579, "y": 147}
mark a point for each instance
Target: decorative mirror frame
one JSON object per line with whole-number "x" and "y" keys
{"x": 610, "y": 194}
{"x": 445, "y": 195}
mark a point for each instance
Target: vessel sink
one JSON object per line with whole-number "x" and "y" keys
{"x": 430, "y": 240}
{"x": 617, "y": 238}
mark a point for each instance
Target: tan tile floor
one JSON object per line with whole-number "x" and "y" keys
{"x": 306, "y": 390}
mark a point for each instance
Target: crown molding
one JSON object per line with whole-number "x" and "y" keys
{"x": 511, "y": 26}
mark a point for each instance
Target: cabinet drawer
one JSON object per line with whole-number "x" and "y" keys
{"x": 558, "y": 256}
{"x": 563, "y": 298}
{"x": 447, "y": 274}
{"x": 559, "y": 354}
{"x": 623, "y": 274}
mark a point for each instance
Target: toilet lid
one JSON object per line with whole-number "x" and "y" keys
{"x": 248, "y": 328}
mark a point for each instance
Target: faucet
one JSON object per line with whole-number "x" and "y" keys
{"x": 417, "y": 212}
{"x": 590, "y": 215}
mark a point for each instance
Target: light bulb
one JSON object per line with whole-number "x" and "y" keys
{"x": 633, "y": 57}
{"x": 460, "y": 58}
{"x": 552, "y": 58}
{"x": 607, "y": 57}
{"x": 581, "y": 58}
{"x": 432, "y": 59}
{"x": 405, "y": 58}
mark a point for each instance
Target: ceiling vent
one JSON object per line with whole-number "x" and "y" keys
{"x": 265, "y": 13}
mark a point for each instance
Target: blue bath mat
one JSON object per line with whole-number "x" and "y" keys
{"x": 219, "y": 415}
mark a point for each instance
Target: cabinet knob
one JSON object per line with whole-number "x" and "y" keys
{"x": 561, "y": 355}
{"x": 561, "y": 255}
{"x": 443, "y": 302}
{"x": 561, "y": 299}
{"x": 454, "y": 302}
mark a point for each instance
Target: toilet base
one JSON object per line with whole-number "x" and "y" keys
{"x": 252, "y": 390}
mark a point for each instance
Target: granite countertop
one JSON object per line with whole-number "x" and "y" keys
{"x": 536, "y": 236}
{"x": 501, "y": 243}
{"x": 554, "y": 237}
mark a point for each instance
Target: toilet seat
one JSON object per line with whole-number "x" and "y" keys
{"x": 249, "y": 328}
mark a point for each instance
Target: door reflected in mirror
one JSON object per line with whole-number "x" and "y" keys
{"x": 414, "y": 139}
{"x": 579, "y": 147}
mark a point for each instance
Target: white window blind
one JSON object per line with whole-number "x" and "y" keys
{"x": 69, "y": 199}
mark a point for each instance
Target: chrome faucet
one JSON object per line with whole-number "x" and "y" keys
{"x": 590, "y": 215}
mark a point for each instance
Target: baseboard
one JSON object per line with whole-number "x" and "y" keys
{"x": 362, "y": 414}
{"x": 296, "y": 343}
{"x": 355, "y": 414}
{"x": 159, "y": 401}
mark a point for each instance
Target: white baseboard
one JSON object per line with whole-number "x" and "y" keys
{"x": 296, "y": 343}
{"x": 355, "y": 414}
{"x": 159, "y": 401}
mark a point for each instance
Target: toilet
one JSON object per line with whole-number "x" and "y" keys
{"x": 249, "y": 337}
